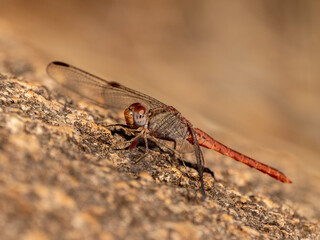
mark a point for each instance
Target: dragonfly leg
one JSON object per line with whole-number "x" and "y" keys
{"x": 187, "y": 170}
{"x": 190, "y": 165}
{"x": 205, "y": 169}
{"x": 125, "y": 128}
{"x": 147, "y": 148}
{"x": 183, "y": 162}
{"x": 176, "y": 153}
{"x": 122, "y": 126}
{"x": 127, "y": 142}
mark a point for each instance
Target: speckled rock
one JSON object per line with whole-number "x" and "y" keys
{"x": 61, "y": 178}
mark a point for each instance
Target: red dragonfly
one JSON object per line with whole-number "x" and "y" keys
{"x": 153, "y": 119}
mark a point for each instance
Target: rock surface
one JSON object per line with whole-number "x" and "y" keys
{"x": 62, "y": 178}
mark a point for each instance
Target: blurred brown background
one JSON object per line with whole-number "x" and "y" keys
{"x": 234, "y": 68}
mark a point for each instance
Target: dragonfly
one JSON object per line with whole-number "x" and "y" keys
{"x": 151, "y": 118}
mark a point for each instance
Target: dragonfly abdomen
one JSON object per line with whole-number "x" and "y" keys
{"x": 206, "y": 141}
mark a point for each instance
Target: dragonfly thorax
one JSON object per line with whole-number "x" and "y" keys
{"x": 135, "y": 115}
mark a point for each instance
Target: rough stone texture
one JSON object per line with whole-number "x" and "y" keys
{"x": 61, "y": 178}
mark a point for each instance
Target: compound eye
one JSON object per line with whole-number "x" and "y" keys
{"x": 131, "y": 110}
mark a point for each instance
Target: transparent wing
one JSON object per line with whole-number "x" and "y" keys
{"x": 99, "y": 91}
{"x": 184, "y": 146}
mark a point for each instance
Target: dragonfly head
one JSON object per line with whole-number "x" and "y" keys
{"x": 135, "y": 115}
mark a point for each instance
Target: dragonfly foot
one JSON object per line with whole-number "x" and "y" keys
{"x": 116, "y": 146}
{"x": 135, "y": 161}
